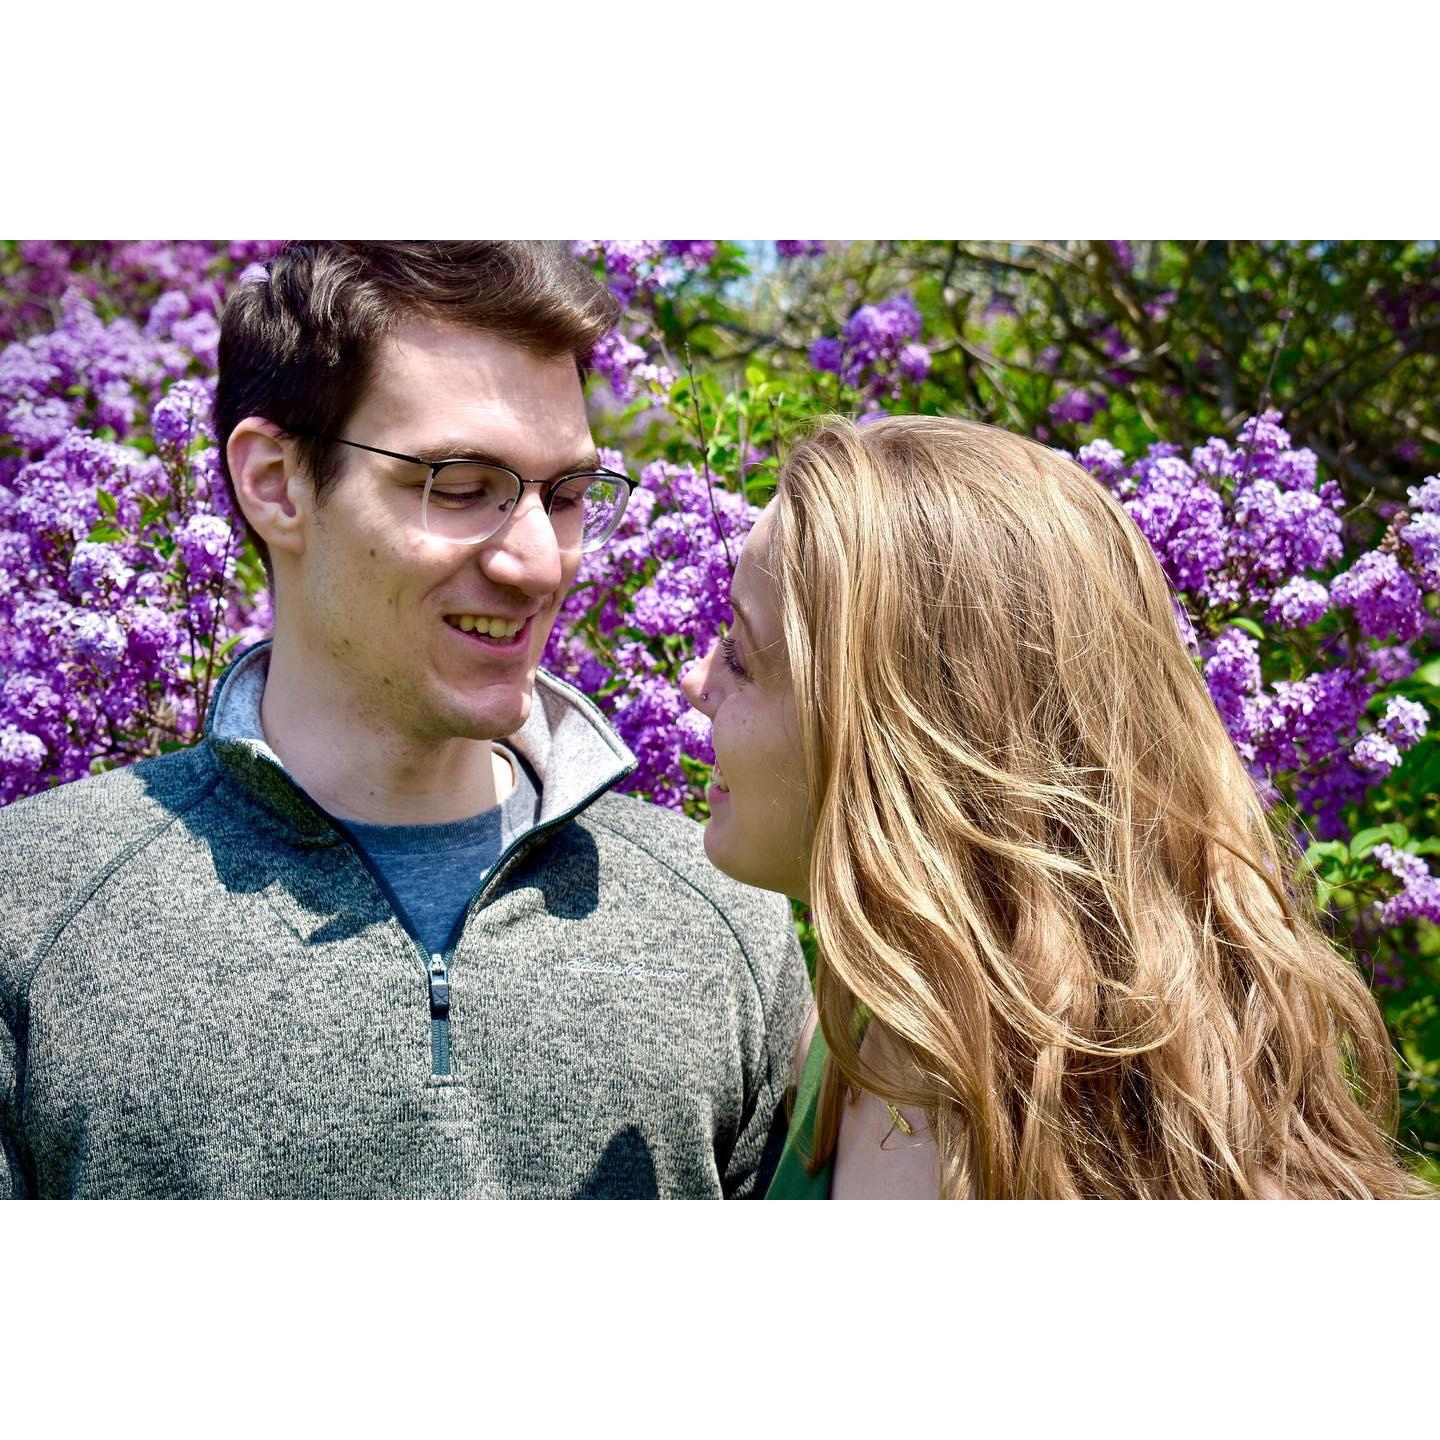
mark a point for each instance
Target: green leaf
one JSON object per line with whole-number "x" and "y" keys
{"x": 1364, "y": 841}
{"x": 1249, "y": 626}
{"x": 103, "y": 532}
{"x": 1327, "y": 850}
{"x": 107, "y": 503}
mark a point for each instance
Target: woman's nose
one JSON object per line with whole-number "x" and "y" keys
{"x": 695, "y": 681}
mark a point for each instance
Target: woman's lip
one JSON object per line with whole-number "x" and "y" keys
{"x": 712, "y": 791}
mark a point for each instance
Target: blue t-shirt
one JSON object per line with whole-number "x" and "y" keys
{"x": 435, "y": 869}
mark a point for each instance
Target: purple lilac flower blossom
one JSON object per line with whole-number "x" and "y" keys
{"x": 1103, "y": 461}
{"x": 1404, "y": 721}
{"x": 630, "y": 265}
{"x": 1298, "y": 603}
{"x": 1384, "y": 599}
{"x": 877, "y": 350}
{"x": 1077, "y": 407}
{"x": 914, "y": 363}
{"x": 1277, "y": 533}
{"x": 1232, "y": 673}
{"x": 1181, "y": 516}
{"x": 1422, "y": 535}
{"x": 98, "y": 638}
{"x": 205, "y": 543}
{"x": 615, "y": 357}
{"x": 1374, "y": 752}
{"x": 178, "y": 417}
{"x": 1419, "y": 894}
{"x": 1426, "y": 495}
{"x": 98, "y": 568}
{"x": 695, "y": 253}
{"x": 1393, "y": 662}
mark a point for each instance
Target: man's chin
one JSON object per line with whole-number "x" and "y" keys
{"x": 495, "y": 719}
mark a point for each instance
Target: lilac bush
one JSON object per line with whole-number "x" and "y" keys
{"x": 1250, "y": 533}
{"x": 119, "y": 557}
{"x": 122, "y": 276}
{"x": 649, "y": 603}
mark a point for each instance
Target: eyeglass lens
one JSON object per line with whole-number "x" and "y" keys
{"x": 469, "y": 503}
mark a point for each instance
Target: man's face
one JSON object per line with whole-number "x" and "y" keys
{"x": 378, "y": 597}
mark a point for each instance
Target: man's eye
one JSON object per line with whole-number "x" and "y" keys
{"x": 459, "y": 487}
{"x": 459, "y": 498}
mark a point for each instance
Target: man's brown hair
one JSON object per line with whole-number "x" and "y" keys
{"x": 298, "y": 345}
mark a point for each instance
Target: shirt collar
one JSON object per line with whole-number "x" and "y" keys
{"x": 565, "y": 739}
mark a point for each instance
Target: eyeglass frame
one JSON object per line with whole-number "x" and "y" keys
{"x": 548, "y": 487}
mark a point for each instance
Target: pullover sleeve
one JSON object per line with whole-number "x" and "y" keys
{"x": 12, "y": 1179}
{"x": 783, "y": 987}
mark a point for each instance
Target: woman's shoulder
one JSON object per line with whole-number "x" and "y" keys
{"x": 883, "y": 1152}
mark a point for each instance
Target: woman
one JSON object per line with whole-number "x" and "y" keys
{"x": 1061, "y": 953}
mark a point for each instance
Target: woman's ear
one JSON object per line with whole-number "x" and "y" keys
{"x": 271, "y": 494}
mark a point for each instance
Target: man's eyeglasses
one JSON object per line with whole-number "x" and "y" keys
{"x": 467, "y": 502}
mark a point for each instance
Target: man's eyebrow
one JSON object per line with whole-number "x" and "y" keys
{"x": 467, "y": 450}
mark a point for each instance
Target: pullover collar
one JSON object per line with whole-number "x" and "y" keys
{"x": 566, "y": 740}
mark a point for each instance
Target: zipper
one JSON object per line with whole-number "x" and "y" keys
{"x": 437, "y": 965}
{"x": 439, "y": 1016}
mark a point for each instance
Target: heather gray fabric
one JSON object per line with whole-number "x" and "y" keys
{"x": 435, "y": 869}
{"x": 205, "y": 992}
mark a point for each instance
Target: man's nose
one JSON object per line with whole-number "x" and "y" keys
{"x": 525, "y": 555}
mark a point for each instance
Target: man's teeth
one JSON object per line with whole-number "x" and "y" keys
{"x": 718, "y": 780}
{"x": 486, "y": 625}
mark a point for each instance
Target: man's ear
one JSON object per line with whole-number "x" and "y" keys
{"x": 274, "y": 498}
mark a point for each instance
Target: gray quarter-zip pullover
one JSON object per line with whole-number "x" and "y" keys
{"x": 206, "y": 990}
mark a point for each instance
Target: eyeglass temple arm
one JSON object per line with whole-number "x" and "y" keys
{"x": 356, "y": 445}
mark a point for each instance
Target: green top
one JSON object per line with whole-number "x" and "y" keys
{"x": 792, "y": 1181}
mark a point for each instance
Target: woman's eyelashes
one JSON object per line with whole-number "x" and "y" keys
{"x": 727, "y": 648}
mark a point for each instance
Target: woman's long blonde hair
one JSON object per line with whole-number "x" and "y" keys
{"x": 1039, "y": 865}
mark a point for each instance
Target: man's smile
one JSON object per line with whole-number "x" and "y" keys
{"x": 495, "y": 633}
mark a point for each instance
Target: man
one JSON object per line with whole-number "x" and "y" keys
{"x": 352, "y": 944}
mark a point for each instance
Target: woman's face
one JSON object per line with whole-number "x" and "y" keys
{"x": 759, "y": 830}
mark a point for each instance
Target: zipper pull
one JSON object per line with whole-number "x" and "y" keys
{"x": 439, "y": 986}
